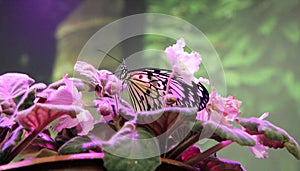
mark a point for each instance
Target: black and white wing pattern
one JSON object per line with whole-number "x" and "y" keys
{"x": 147, "y": 88}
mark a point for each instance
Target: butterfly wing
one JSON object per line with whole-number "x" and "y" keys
{"x": 147, "y": 87}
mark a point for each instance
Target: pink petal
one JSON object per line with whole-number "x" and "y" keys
{"x": 259, "y": 150}
{"x": 65, "y": 121}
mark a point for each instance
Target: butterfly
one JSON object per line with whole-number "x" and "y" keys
{"x": 147, "y": 87}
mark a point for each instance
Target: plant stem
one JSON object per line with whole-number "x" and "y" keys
{"x": 116, "y": 116}
{"x": 22, "y": 145}
{"x": 117, "y": 105}
{"x": 178, "y": 163}
{"x": 169, "y": 82}
{"x": 208, "y": 152}
{"x": 175, "y": 153}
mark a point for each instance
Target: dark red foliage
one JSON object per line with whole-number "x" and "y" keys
{"x": 219, "y": 164}
{"x": 270, "y": 143}
{"x": 190, "y": 153}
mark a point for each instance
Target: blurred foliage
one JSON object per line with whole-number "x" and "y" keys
{"x": 258, "y": 44}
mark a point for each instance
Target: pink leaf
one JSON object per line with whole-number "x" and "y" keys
{"x": 13, "y": 85}
{"x": 40, "y": 115}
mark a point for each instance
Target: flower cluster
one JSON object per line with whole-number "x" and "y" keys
{"x": 103, "y": 81}
{"x": 221, "y": 109}
{"x": 183, "y": 63}
{"x": 28, "y": 111}
{"x": 225, "y": 111}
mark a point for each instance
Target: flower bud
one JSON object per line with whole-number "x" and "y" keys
{"x": 8, "y": 106}
{"x": 190, "y": 153}
{"x": 169, "y": 99}
{"x": 104, "y": 109}
{"x": 99, "y": 90}
{"x": 112, "y": 88}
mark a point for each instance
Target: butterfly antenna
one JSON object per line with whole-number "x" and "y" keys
{"x": 110, "y": 56}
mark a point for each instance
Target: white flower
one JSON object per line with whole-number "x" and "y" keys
{"x": 183, "y": 63}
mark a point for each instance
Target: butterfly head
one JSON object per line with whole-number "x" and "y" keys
{"x": 124, "y": 70}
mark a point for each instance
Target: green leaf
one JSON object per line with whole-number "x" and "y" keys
{"x": 28, "y": 101}
{"x": 131, "y": 150}
{"x": 198, "y": 126}
{"x": 293, "y": 148}
{"x": 164, "y": 123}
{"x": 77, "y": 145}
{"x": 12, "y": 141}
{"x": 226, "y": 133}
{"x": 166, "y": 120}
{"x": 272, "y": 132}
{"x": 102, "y": 131}
{"x": 44, "y": 152}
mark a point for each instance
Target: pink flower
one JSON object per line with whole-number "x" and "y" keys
{"x": 104, "y": 107}
{"x": 231, "y": 108}
{"x": 8, "y": 106}
{"x": 65, "y": 95}
{"x": 259, "y": 150}
{"x": 113, "y": 85}
{"x": 104, "y": 81}
{"x": 174, "y": 52}
{"x": 183, "y": 63}
{"x": 220, "y": 109}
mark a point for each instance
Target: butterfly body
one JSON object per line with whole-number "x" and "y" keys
{"x": 147, "y": 87}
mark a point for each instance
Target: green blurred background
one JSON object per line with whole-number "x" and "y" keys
{"x": 258, "y": 42}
